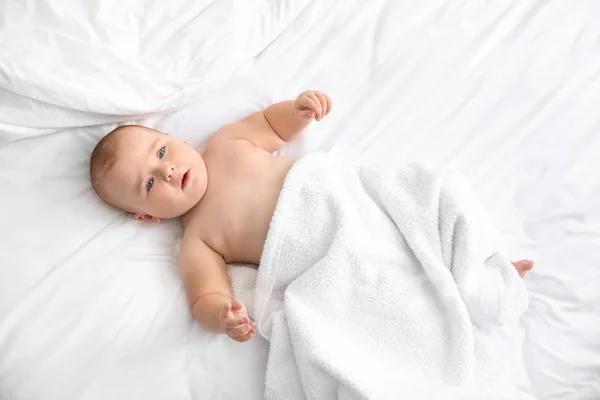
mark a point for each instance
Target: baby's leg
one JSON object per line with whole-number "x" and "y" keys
{"x": 523, "y": 266}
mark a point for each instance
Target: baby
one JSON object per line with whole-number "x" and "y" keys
{"x": 225, "y": 196}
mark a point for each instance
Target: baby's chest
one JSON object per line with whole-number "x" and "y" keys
{"x": 235, "y": 225}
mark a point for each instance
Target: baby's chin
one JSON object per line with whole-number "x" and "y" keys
{"x": 177, "y": 213}
{"x": 181, "y": 209}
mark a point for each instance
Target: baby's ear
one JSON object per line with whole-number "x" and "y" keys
{"x": 146, "y": 217}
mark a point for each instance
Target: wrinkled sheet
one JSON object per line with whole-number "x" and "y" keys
{"x": 91, "y": 305}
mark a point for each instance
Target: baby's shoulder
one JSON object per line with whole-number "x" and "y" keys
{"x": 226, "y": 143}
{"x": 191, "y": 231}
{"x": 194, "y": 235}
{"x": 229, "y": 152}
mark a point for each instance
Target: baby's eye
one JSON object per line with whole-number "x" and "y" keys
{"x": 161, "y": 152}
{"x": 149, "y": 184}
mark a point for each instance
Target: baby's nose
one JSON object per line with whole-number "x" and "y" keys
{"x": 168, "y": 172}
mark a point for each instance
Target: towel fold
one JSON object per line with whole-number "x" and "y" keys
{"x": 383, "y": 283}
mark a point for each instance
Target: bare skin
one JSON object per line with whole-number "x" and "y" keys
{"x": 225, "y": 197}
{"x": 523, "y": 267}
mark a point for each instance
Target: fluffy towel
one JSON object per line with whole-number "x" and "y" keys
{"x": 380, "y": 283}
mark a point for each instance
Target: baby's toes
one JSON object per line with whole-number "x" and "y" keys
{"x": 523, "y": 266}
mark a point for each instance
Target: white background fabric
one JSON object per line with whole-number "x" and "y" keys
{"x": 91, "y": 305}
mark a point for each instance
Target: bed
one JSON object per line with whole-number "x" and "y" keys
{"x": 91, "y": 304}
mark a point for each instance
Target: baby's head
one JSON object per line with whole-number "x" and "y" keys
{"x": 147, "y": 173}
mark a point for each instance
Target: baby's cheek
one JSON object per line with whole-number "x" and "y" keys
{"x": 172, "y": 200}
{"x": 177, "y": 201}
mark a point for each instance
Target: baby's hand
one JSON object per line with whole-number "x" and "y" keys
{"x": 235, "y": 322}
{"x": 313, "y": 104}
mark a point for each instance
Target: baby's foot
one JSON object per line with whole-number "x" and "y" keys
{"x": 523, "y": 266}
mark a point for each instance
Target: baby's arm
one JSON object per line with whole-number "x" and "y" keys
{"x": 209, "y": 291}
{"x": 206, "y": 281}
{"x": 280, "y": 122}
{"x": 289, "y": 118}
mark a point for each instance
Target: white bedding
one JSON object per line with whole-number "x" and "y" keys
{"x": 91, "y": 305}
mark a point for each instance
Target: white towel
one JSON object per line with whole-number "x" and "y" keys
{"x": 380, "y": 283}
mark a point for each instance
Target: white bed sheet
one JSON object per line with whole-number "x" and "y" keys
{"x": 90, "y": 302}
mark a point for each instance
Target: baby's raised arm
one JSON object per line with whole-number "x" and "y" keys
{"x": 289, "y": 118}
{"x": 280, "y": 122}
{"x": 209, "y": 291}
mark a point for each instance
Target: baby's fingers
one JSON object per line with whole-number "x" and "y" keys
{"x": 237, "y": 305}
{"x": 324, "y": 104}
{"x": 310, "y": 103}
{"x": 241, "y": 330}
{"x": 230, "y": 323}
{"x": 317, "y": 105}
{"x": 246, "y": 337}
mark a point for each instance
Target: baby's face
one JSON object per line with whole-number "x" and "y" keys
{"x": 155, "y": 175}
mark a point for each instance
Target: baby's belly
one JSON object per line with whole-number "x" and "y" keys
{"x": 246, "y": 240}
{"x": 247, "y": 248}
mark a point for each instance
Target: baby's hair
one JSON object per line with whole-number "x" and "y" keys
{"x": 103, "y": 158}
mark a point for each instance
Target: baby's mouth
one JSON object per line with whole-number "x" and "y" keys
{"x": 185, "y": 179}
